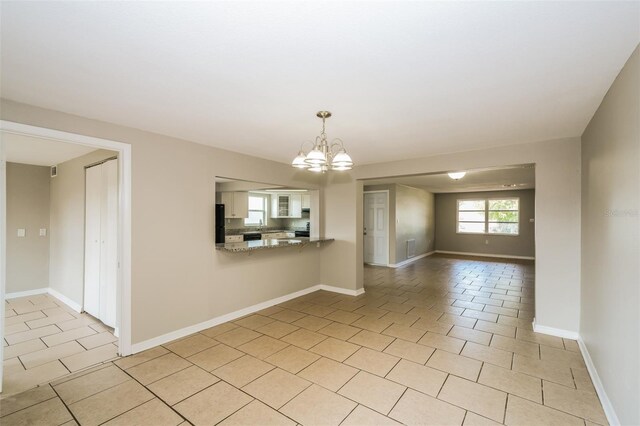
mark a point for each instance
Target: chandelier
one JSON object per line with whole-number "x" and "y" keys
{"x": 323, "y": 156}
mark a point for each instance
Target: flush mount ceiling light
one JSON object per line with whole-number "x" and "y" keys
{"x": 324, "y": 156}
{"x": 456, "y": 175}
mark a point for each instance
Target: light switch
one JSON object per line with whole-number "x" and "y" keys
{"x": 22, "y": 232}
{"x": 43, "y": 232}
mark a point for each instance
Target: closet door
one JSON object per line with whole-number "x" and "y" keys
{"x": 101, "y": 241}
{"x": 109, "y": 247}
{"x": 92, "y": 240}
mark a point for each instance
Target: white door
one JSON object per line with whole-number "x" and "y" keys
{"x": 101, "y": 249}
{"x": 376, "y": 228}
{"x": 92, "y": 239}
{"x": 109, "y": 249}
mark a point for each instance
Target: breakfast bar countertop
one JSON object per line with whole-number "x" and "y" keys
{"x": 245, "y": 246}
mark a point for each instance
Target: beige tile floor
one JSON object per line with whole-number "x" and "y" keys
{"x": 45, "y": 339}
{"x": 440, "y": 341}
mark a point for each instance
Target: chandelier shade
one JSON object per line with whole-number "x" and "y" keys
{"x": 316, "y": 157}
{"x": 299, "y": 162}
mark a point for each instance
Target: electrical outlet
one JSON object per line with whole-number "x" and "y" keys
{"x": 486, "y": 242}
{"x": 22, "y": 232}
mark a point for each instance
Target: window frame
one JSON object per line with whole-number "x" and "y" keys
{"x": 495, "y": 210}
{"x": 265, "y": 210}
{"x": 470, "y": 221}
{"x": 486, "y": 216}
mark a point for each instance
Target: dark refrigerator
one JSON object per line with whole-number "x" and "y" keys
{"x": 219, "y": 223}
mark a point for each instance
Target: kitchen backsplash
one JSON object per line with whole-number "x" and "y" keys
{"x": 233, "y": 226}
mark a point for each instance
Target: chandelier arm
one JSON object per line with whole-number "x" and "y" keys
{"x": 337, "y": 142}
{"x": 304, "y": 143}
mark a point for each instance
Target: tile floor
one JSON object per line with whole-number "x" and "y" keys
{"x": 45, "y": 339}
{"x": 440, "y": 341}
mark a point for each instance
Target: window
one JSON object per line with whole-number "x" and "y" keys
{"x": 504, "y": 216}
{"x": 257, "y": 210}
{"x": 500, "y": 216}
{"x": 472, "y": 216}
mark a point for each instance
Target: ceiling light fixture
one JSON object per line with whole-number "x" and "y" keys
{"x": 323, "y": 155}
{"x": 456, "y": 175}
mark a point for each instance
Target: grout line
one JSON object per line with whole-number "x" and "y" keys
{"x": 480, "y": 373}
{"x": 347, "y": 416}
{"x": 442, "y": 385}
{"x": 153, "y": 393}
{"x": 65, "y": 405}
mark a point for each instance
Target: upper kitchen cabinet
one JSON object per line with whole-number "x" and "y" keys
{"x": 286, "y": 205}
{"x": 236, "y": 205}
{"x": 306, "y": 201}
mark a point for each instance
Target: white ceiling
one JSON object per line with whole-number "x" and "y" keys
{"x": 510, "y": 178}
{"x": 40, "y": 152}
{"x": 403, "y": 79}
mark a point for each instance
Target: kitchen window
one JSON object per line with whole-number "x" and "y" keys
{"x": 497, "y": 216}
{"x": 257, "y": 210}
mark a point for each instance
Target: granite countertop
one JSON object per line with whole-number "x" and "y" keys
{"x": 270, "y": 244}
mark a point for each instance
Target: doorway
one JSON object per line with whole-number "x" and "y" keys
{"x": 376, "y": 227}
{"x": 122, "y": 228}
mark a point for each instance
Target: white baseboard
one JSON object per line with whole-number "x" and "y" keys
{"x": 612, "y": 418}
{"x": 377, "y": 264}
{"x": 411, "y": 259}
{"x": 557, "y": 332}
{"x": 340, "y": 290}
{"x": 183, "y": 332}
{"x": 504, "y": 256}
{"x": 17, "y": 294}
{"x": 46, "y": 290}
{"x": 64, "y": 299}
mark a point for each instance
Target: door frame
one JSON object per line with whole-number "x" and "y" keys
{"x": 364, "y": 193}
{"x": 124, "y": 220}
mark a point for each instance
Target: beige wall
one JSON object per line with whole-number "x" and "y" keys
{"x": 415, "y": 218}
{"x": 610, "y": 323}
{"x": 447, "y": 239}
{"x": 337, "y": 259}
{"x": 173, "y": 252}
{"x": 411, "y": 215}
{"x": 557, "y": 218}
{"x": 66, "y": 265}
{"x": 178, "y": 278}
{"x": 28, "y": 208}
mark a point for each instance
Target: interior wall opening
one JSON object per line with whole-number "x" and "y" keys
{"x": 63, "y": 290}
{"x": 485, "y": 215}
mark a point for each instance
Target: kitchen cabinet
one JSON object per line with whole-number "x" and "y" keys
{"x": 306, "y": 201}
{"x": 236, "y": 205}
{"x": 286, "y": 205}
